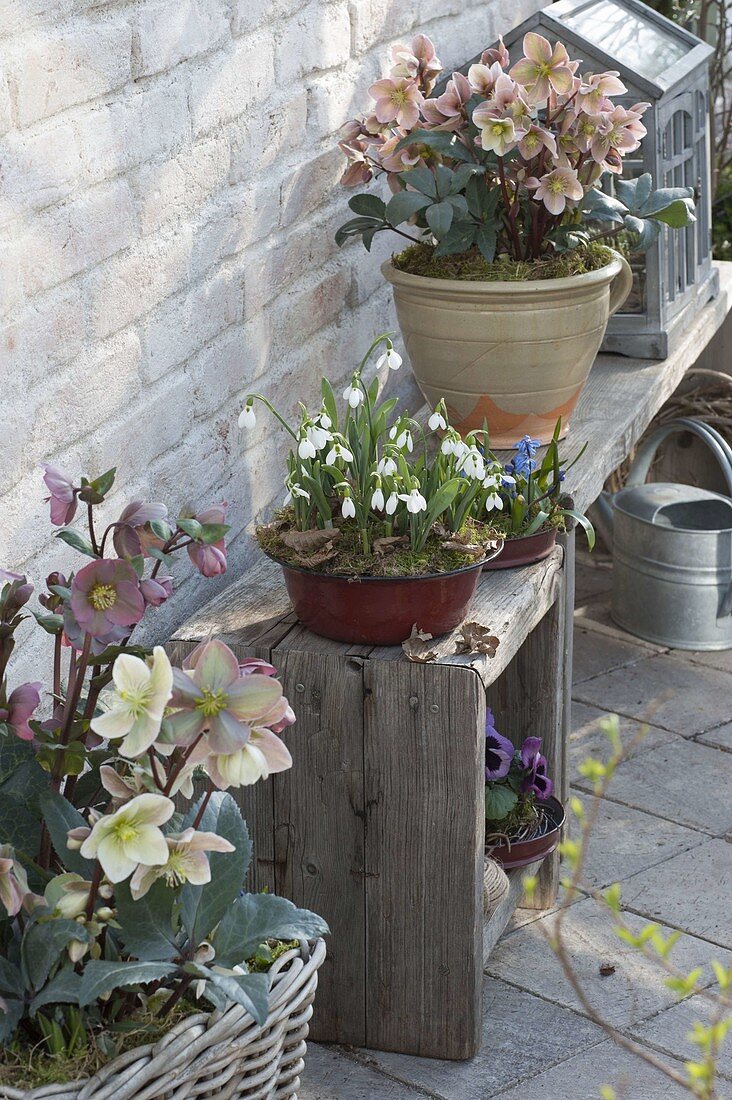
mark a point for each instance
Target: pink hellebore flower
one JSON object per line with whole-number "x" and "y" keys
{"x": 534, "y": 140}
{"x": 262, "y": 755}
{"x": 542, "y": 69}
{"x": 210, "y": 560}
{"x": 106, "y": 595}
{"x": 187, "y": 862}
{"x": 397, "y": 101}
{"x": 19, "y": 708}
{"x": 595, "y": 88}
{"x": 453, "y": 100}
{"x": 554, "y": 188}
{"x": 359, "y": 169}
{"x": 13, "y": 881}
{"x": 63, "y": 494}
{"x": 482, "y": 78}
{"x": 210, "y": 694}
{"x": 418, "y": 62}
{"x": 488, "y": 57}
{"x": 156, "y": 590}
{"x": 126, "y": 538}
{"x": 621, "y": 130}
{"x": 398, "y": 162}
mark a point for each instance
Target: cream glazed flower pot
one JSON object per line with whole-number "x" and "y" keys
{"x": 515, "y": 354}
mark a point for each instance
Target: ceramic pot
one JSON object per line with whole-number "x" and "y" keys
{"x": 525, "y": 550}
{"x": 515, "y": 354}
{"x": 522, "y": 852}
{"x": 380, "y": 610}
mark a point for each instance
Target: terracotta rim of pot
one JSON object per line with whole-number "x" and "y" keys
{"x": 524, "y": 852}
{"x": 524, "y": 288}
{"x": 358, "y": 578}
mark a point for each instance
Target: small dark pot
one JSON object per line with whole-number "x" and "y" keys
{"x": 380, "y": 610}
{"x": 523, "y": 852}
{"x": 525, "y": 550}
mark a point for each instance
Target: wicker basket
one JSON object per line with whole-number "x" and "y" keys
{"x": 225, "y": 1055}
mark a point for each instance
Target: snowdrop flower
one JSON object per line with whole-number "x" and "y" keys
{"x": 324, "y": 420}
{"x": 377, "y": 500}
{"x": 387, "y": 467}
{"x": 348, "y": 508}
{"x": 353, "y": 394}
{"x": 130, "y": 836}
{"x": 391, "y": 358}
{"x": 415, "y": 501}
{"x": 247, "y": 419}
{"x": 403, "y": 439}
{"x": 141, "y": 692}
{"x": 338, "y": 451}
{"x": 493, "y": 500}
{"x": 472, "y": 463}
{"x": 306, "y": 448}
{"x": 296, "y": 490}
{"x": 392, "y": 504}
{"x": 436, "y": 421}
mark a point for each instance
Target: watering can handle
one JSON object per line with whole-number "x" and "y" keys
{"x": 717, "y": 444}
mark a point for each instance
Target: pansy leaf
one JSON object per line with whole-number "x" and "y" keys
{"x": 499, "y": 801}
{"x": 101, "y": 976}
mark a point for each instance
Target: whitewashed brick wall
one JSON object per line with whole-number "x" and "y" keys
{"x": 168, "y": 200}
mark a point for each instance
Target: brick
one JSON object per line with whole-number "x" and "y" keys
{"x": 311, "y": 309}
{"x": 229, "y": 84}
{"x": 178, "y": 186}
{"x": 38, "y": 168}
{"x": 381, "y": 21}
{"x": 262, "y": 139}
{"x": 329, "y": 108}
{"x": 251, "y": 15}
{"x": 131, "y": 284}
{"x": 132, "y": 128}
{"x": 153, "y": 423}
{"x": 51, "y": 69}
{"x": 247, "y": 214}
{"x": 319, "y": 37}
{"x": 309, "y": 185}
{"x": 70, "y": 238}
{"x": 165, "y": 34}
{"x": 182, "y": 325}
{"x": 6, "y": 120}
{"x": 50, "y": 330}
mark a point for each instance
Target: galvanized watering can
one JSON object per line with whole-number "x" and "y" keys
{"x": 672, "y": 552}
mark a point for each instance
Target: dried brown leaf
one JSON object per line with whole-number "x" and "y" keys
{"x": 309, "y": 561}
{"x": 308, "y": 542}
{"x": 389, "y": 543}
{"x": 471, "y": 548}
{"x": 476, "y": 638}
{"x": 606, "y": 969}
{"x": 416, "y": 649}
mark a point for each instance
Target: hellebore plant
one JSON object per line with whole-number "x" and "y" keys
{"x": 503, "y": 159}
{"x": 369, "y": 479}
{"x": 516, "y": 781}
{"x": 529, "y": 497}
{"x": 113, "y": 897}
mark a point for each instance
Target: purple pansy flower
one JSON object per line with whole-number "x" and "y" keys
{"x": 105, "y": 595}
{"x": 498, "y": 750}
{"x": 63, "y": 494}
{"x": 537, "y": 781}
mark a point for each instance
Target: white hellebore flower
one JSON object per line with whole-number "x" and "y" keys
{"x": 387, "y": 467}
{"x": 141, "y": 692}
{"x": 415, "y": 501}
{"x": 263, "y": 754}
{"x": 247, "y": 419}
{"x": 391, "y": 358}
{"x": 377, "y": 500}
{"x": 392, "y": 504}
{"x": 353, "y": 394}
{"x": 187, "y": 861}
{"x": 130, "y": 836}
{"x": 436, "y": 421}
{"x": 348, "y": 508}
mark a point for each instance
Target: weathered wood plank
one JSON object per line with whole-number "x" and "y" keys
{"x": 423, "y": 771}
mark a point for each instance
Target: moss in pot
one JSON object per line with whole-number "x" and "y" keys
{"x": 379, "y": 530}
{"x": 505, "y": 291}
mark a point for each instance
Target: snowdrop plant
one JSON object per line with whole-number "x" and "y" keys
{"x": 504, "y": 159}
{"x": 122, "y": 854}
{"x": 372, "y": 469}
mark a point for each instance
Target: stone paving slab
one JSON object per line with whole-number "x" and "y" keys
{"x": 592, "y": 578}
{"x": 632, "y": 993}
{"x": 678, "y": 782}
{"x": 721, "y": 737}
{"x": 596, "y": 653}
{"x": 670, "y": 1029}
{"x": 684, "y": 697}
{"x": 691, "y": 891}
{"x": 595, "y": 616}
{"x": 580, "y": 1078}
{"x": 330, "y": 1075}
{"x": 509, "y": 1017}
{"x": 587, "y": 739}
{"x": 626, "y": 841}
{"x": 718, "y": 658}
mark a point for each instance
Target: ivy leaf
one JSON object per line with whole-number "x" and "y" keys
{"x": 76, "y": 540}
{"x": 101, "y": 976}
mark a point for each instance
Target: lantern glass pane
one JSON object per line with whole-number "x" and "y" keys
{"x": 636, "y": 41}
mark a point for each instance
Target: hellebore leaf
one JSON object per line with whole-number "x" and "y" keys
{"x": 205, "y": 906}
{"x": 101, "y": 976}
{"x": 460, "y": 238}
{"x": 251, "y": 991}
{"x": 368, "y": 206}
{"x": 147, "y": 929}
{"x": 60, "y": 816}
{"x": 43, "y": 944}
{"x": 255, "y": 918}
{"x": 63, "y": 988}
{"x": 404, "y": 205}
{"x": 77, "y": 541}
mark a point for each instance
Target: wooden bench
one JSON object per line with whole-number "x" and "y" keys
{"x": 379, "y": 825}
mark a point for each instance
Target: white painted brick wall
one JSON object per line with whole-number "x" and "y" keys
{"x": 168, "y": 199}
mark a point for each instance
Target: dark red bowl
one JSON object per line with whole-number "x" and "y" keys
{"x": 523, "y": 852}
{"x": 380, "y": 610}
{"x": 524, "y": 550}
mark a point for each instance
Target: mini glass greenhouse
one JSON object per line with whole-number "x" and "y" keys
{"x": 666, "y": 65}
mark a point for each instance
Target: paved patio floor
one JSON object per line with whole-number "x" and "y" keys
{"x": 664, "y": 834}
